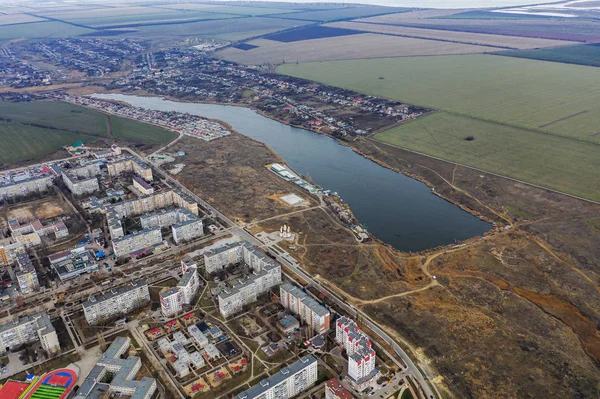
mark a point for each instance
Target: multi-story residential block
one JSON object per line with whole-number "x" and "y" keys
{"x": 120, "y": 166}
{"x": 73, "y": 263}
{"x": 126, "y": 245}
{"x": 26, "y": 275}
{"x": 16, "y": 188}
{"x": 80, "y": 185}
{"x": 142, "y": 186}
{"x": 287, "y": 383}
{"x": 232, "y": 300}
{"x": 123, "y": 372}
{"x": 310, "y": 311}
{"x": 116, "y": 302}
{"x": 28, "y": 329}
{"x": 173, "y": 299}
{"x": 361, "y": 355}
{"x": 184, "y": 224}
{"x": 9, "y": 251}
{"x": 335, "y": 390}
{"x": 235, "y": 253}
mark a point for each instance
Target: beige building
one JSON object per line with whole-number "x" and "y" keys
{"x": 28, "y": 329}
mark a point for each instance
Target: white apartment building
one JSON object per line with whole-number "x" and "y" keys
{"x": 119, "y": 166}
{"x": 184, "y": 224}
{"x": 28, "y": 329}
{"x": 287, "y": 383}
{"x": 123, "y": 371}
{"x": 116, "y": 302}
{"x": 21, "y": 188}
{"x": 126, "y": 245}
{"x": 26, "y": 275}
{"x": 310, "y": 311}
{"x": 234, "y": 253}
{"x": 361, "y": 355}
{"x": 80, "y": 185}
{"x": 173, "y": 299}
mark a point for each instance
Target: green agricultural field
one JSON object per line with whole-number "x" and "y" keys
{"x": 130, "y": 130}
{"x": 151, "y": 18}
{"x": 558, "y": 163}
{"x": 548, "y": 96}
{"x": 41, "y": 30}
{"x": 584, "y": 54}
{"x": 56, "y": 115}
{"x": 23, "y": 143}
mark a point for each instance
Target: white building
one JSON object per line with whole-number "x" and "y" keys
{"x": 173, "y": 299}
{"x": 26, "y": 274}
{"x": 310, "y": 311}
{"x": 212, "y": 352}
{"x": 287, "y": 383}
{"x": 126, "y": 245}
{"x": 28, "y": 329}
{"x": 361, "y": 355}
{"x": 82, "y": 180}
{"x": 198, "y": 336}
{"x": 72, "y": 263}
{"x": 123, "y": 372}
{"x": 116, "y": 302}
{"x": 16, "y": 189}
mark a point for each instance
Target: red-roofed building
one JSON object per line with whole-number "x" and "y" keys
{"x": 335, "y": 390}
{"x": 188, "y": 316}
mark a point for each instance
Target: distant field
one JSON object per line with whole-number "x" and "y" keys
{"x": 58, "y": 115}
{"x": 411, "y": 15}
{"x": 583, "y": 54}
{"x": 253, "y": 11}
{"x": 127, "y": 129}
{"x": 344, "y": 13}
{"x": 463, "y": 37}
{"x": 22, "y": 143}
{"x": 553, "y": 97}
{"x": 558, "y": 163}
{"x": 311, "y": 32}
{"x": 58, "y": 124}
{"x": 18, "y": 19}
{"x": 571, "y": 29}
{"x": 360, "y": 46}
{"x": 239, "y": 28}
{"x": 40, "y": 30}
{"x": 481, "y": 14}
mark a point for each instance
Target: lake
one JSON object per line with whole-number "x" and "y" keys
{"x": 397, "y": 209}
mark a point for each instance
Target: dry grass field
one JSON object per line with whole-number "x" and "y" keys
{"x": 407, "y": 16}
{"x": 462, "y": 37}
{"x": 18, "y": 19}
{"x": 353, "y": 47}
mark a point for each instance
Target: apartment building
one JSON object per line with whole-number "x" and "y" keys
{"x": 123, "y": 372}
{"x": 9, "y": 251}
{"x": 123, "y": 165}
{"x": 173, "y": 299}
{"x": 361, "y": 355}
{"x": 310, "y": 311}
{"x": 72, "y": 263}
{"x": 126, "y": 245}
{"x": 28, "y": 329}
{"x": 235, "y": 253}
{"x": 20, "y": 188}
{"x": 287, "y": 383}
{"x": 80, "y": 185}
{"x": 184, "y": 224}
{"x": 116, "y": 302}
{"x": 335, "y": 390}
{"x": 26, "y": 275}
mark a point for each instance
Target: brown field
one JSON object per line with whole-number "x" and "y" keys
{"x": 84, "y": 13}
{"x": 360, "y": 46}
{"x": 18, "y": 19}
{"x": 462, "y": 37}
{"x": 407, "y": 16}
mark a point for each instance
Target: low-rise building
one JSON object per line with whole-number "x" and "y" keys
{"x": 142, "y": 186}
{"x": 126, "y": 245}
{"x": 72, "y": 263}
{"x": 123, "y": 372}
{"x": 310, "y": 311}
{"x": 212, "y": 352}
{"x": 29, "y": 240}
{"x": 9, "y": 251}
{"x": 335, "y": 390}
{"x": 28, "y": 329}
{"x": 288, "y": 324}
{"x": 198, "y": 336}
{"x": 116, "y": 302}
{"x": 286, "y": 383}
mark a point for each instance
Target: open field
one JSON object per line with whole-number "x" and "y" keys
{"x": 130, "y": 130}
{"x": 24, "y": 143}
{"x": 482, "y": 14}
{"x": 238, "y": 28}
{"x": 343, "y": 13}
{"x": 367, "y": 45}
{"x": 406, "y": 16}
{"x": 251, "y": 11}
{"x": 558, "y": 29}
{"x": 18, "y": 19}
{"x": 561, "y": 164}
{"x": 56, "y": 115}
{"x": 462, "y": 37}
{"x": 552, "y": 97}
{"x": 583, "y": 54}
{"x": 311, "y": 32}
{"x": 40, "y": 30}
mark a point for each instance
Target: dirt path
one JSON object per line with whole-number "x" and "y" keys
{"x": 108, "y": 126}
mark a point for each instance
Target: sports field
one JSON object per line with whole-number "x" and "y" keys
{"x": 548, "y": 96}
{"x": 561, "y": 164}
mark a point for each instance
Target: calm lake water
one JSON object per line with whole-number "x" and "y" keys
{"x": 395, "y": 208}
